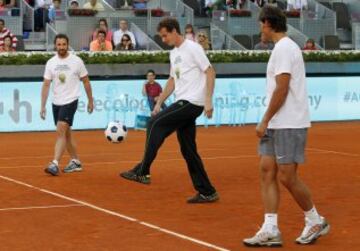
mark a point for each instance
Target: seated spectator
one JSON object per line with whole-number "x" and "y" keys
{"x": 2, "y": 5}
{"x": 310, "y": 45}
{"x": 7, "y": 46}
{"x": 103, "y": 25}
{"x": 125, "y": 44}
{"x": 296, "y": 5}
{"x": 94, "y": 5}
{"x": 152, "y": 90}
{"x": 189, "y": 32}
{"x": 123, "y": 30}
{"x": 41, "y": 17}
{"x": 100, "y": 44}
{"x": 74, "y": 4}
{"x": 140, "y": 4}
{"x": 56, "y": 6}
{"x": 4, "y": 32}
{"x": 9, "y": 4}
{"x": 203, "y": 40}
{"x": 264, "y": 44}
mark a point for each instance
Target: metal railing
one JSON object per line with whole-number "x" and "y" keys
{"x": 220, "y": 40}
{"x": 183, "y": 10}
{"x": 299, "y": 37}
{"x": 28, "y": 16}
{"x": 143, "y": 41}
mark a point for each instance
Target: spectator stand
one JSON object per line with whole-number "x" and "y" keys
{"x": 299, "y": 37}
{"x": 220, "y": 40}
{"x": 50, "y": 36}
{"x": 144, "y": 42}
{"x": 13, "y": 19}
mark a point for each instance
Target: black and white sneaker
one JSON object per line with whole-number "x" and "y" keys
{"x": 200, "y": 198}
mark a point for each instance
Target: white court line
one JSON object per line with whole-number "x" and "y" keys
{"x": 136, "y": 161}
{"x": 40, "y": 207}
{"x": 334, "y": 152}
{"x": 122, "y": 216}
{"x": 103, "y": 154}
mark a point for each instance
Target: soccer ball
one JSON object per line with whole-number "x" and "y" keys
{"x": 116, "y": 132}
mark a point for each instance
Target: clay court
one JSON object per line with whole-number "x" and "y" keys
{"x": 96, "y": 210}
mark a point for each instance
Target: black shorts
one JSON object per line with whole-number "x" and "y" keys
{"x": 65, "y": 113}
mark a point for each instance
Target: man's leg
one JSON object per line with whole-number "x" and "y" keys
{"x": 158, "y": 128}
{"x": 60, "y": 146}
{"x": 74, "y": 164}
{"x": 186, "y": 136}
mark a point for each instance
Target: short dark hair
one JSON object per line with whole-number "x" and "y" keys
{"x": 169, "y": 24}
{"x": 275, "y": 17}
{"x": 150, "y": 71}
{"x": 103, "y": 20}
{"x": 101, "y": 31}
{"x": 2, "y": 21}
{"x": 61, "y": 36}
{"x": 7, "y": 36}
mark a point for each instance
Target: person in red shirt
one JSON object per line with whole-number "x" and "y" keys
{"x": 152, "y": 90}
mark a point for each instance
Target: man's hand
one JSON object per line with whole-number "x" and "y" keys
{"x": 90, "y": 106}
{"x": 43, "y": 113}
{"x": 208, "y": 109}
{"x": 156, "y": 109}
{"x": 261, "y": 129}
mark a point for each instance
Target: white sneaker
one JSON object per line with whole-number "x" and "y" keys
{"x": 265, "y": 238}
{"x": 312, "y": 232}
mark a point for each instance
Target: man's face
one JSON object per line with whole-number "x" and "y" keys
{"x": 168, "y": 38}
{"x": 266, "y": 31}
{"x": 74, "y": 5}
{"x": 61, "y": 46}
{"x": 101, "y": 37}
{"x": 2, "y": 25}
{"x": 93, "y": 2}
{"x": 56, "y": 4}
{"x": 123, "y": 25}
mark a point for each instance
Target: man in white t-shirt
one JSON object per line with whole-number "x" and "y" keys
{"x": 124, "y": 29}
{"x": 192, "y": 78}
{"x": 65, "y": 71}
{"x": 283, "y": 133}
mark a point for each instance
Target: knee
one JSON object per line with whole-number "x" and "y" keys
{"x": 287, "y": 179}
{"x": 61, "y": 130}
{"x": 267, "y": 172}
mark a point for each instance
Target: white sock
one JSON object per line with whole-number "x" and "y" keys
{"x": 55, "y": 162}
{"x": 313, "y": 216}
{"x": 270, "y": 223}
{"x": 76, "y": 161}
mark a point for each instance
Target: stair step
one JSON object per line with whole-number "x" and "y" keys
{"x": 34, "y": 46}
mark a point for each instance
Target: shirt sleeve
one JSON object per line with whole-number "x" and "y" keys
{"x": 200, "y": 58}
{"x": 82, "y": 69}
{"x": 172, "y": 73}
{"x": 47, "y": 73}
{"x": 283, "y": 62}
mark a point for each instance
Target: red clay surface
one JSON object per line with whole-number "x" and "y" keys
{"x": 332, "y": 172}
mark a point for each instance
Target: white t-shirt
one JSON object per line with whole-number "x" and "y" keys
{"x": 286, "y": 57}
{"x": 65, "y": 74}
{"x": 118, "y": 35}
{"x": 188, "y": 65}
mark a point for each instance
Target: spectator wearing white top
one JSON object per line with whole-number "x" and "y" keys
{"x": 41, "y": 17}
{"x": 123, "y": 30}
{"x": 296, "y": 5}
{"x": 94, "y": 5}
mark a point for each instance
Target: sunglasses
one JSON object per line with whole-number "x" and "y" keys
{"x": 125, "y": 40}
{"x": 202, "y": 35}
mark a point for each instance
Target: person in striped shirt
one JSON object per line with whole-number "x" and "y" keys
{"x": 4, "y": 32}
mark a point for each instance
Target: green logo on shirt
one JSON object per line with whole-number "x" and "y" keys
{"x": 62, "y": 77}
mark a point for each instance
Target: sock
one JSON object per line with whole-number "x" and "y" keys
{"x": 313, "y": 216}
{"x": 76, "y": 161}
{"x": 55, "y": 162}
{"x": 270, "y": 223}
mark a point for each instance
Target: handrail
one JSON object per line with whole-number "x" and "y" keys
{"x": 229, "y": 41}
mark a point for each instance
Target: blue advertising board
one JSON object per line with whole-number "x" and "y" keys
{"x": 236, "y": 101}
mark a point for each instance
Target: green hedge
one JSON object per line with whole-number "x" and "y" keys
{"x": 148, "y": 57}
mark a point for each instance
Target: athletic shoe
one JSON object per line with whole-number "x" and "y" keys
{"x": 200, "y": 198}
{"x": 52, "y": 169}
{"x": 264, "y": 238}
{"x": 73, "y": 167}
{"x": 312, "y": 232}
{"x": 133, "y": 176}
